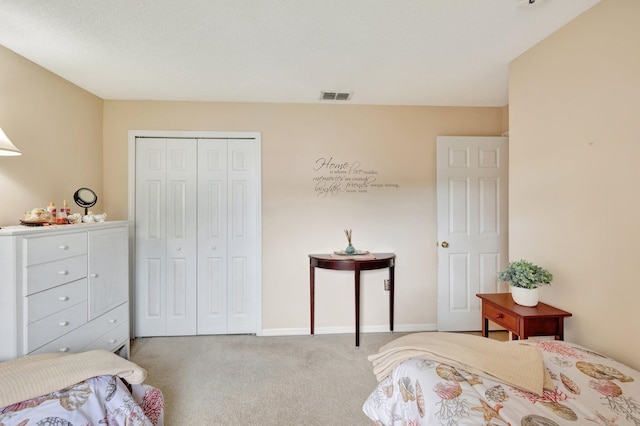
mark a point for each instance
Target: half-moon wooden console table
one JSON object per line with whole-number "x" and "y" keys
{"x": 356, "y": 264}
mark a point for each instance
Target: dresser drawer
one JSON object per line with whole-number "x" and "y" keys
{"x": 48, "y": 275}
{"x": 111, "y": 340}
{"x": 502, "y": 318}
{"x": 54, "y": 247}
{"x": 50, "y": 328}
{"x": 109, "y": 321}
{"x": 70, "y": 342}
{"x": 56, "y": 299}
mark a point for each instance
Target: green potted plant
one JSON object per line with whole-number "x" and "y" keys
{"x": 524, "y": 278}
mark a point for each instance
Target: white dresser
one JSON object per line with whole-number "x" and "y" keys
{"x": 64, "y": 288}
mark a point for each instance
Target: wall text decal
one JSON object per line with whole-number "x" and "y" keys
{"x": 337, "y": 177}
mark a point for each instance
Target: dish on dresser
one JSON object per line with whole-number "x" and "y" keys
{"x": 35, "y": 222}
{"x": 355, "y": 253}
{"x": 579, "y": 386}
{"x": 93, "y": 387}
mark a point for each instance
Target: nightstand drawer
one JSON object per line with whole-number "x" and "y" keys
{"x": 501, "y": 318}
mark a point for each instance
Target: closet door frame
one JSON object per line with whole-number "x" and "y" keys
{"x": 133, "y": 134}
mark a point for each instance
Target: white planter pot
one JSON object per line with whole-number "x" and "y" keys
{"x": 525, "y": 296}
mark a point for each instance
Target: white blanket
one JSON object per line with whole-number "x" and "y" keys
{"x": 517, "y": 365}
{"x": 35, "y": 375}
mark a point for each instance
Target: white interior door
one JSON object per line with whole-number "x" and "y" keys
{"x": 472, "y": 197}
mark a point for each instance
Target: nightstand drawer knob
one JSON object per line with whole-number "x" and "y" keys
{"x": 499, "y": 316}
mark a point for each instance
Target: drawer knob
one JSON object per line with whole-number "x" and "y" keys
{"x": 499, "y": 316}
{"x": 112, "y": 341}
{"x": 63, "y": 323}
{"x": 63, "y": 298}
{"x": 112, "y": 321}
{"x": 94, "y": 275}
{"x": 63, "y": 350}
{"x": 63, "y": 247}
{"x": 63, "y": 272}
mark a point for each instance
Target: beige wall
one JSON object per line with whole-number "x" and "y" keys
{"x": 574, "y": 144}
{"x": 574, "y": 152}
{"x": 58, "y": 128}
{"x": 396, "y": 142}
{"x": 71, "y": 138}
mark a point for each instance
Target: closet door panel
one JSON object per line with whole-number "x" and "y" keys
{"x": 212, "y": 236}
{"x": 242, "y": 243}
{"x": 150, "y": 247}
{"x": 181, "y": 246}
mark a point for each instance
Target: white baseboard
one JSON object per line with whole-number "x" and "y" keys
{"x": 399, "y": 328}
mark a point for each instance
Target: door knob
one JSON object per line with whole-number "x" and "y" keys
{"x": 444, "y": 244}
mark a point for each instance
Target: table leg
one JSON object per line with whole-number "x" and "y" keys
{"x": 560, "y": 335}
{"x": 311, "y": 293}
{"x": 391, "y": 290}
{"x": 485, "y": 326}
{"x": 357, "y": 290}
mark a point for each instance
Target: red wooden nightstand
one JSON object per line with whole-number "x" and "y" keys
{"x": 521, "y": 321}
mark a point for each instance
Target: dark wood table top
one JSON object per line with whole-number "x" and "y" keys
{"x": 505, "y": 301}
{"x": 350, "y": 262}
{"x": 359, "y": 258}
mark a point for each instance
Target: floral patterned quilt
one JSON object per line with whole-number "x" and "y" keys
{"x": 101, "y": 400}
{"x": 590, "y": 389}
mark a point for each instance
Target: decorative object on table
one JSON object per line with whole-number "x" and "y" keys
{"x": 85, "y": 198}
{"x": 524, "y": 278}
{"x": 90, "y": 218}
{"x": 350, "y": 249}
{"x": 351, "y": 255}
{"x": 74, "y": 218}
{"x": 51, "y": 209}
{"x": 36, "y": 217}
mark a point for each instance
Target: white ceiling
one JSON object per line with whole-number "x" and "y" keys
{"x": 391, "y": 52}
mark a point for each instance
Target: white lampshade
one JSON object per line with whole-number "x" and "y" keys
{"x": 6, "y": 147}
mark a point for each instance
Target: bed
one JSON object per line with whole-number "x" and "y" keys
{"x": 419, "y": 385}
{"x": 89, "y": 388}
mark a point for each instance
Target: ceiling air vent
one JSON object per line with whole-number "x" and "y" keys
{"x": 335, "y": 96}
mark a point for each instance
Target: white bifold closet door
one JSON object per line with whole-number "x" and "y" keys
{"x": 227, "y": 236}
{"x": 196, "y": 236}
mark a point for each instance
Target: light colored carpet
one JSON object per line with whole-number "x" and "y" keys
{"x": 249, "y": 380}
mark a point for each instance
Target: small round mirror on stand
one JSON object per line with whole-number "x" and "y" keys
{"x": 85, "y": 198}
